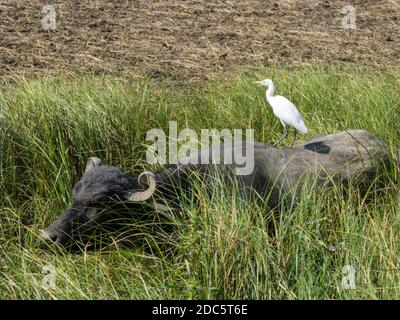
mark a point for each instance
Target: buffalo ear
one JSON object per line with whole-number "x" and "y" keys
{"x": 93, "y": 162}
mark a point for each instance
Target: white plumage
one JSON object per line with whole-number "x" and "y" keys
{"x": 287, "y": 113}
{"x": 284, "y": 109}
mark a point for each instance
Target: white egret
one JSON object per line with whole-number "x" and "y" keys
{"x": 285, "y": 110}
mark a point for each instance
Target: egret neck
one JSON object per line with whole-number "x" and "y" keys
{"x": 270, "y": 92}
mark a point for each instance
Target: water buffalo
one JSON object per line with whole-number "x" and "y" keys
{"x": 104, "y": 190}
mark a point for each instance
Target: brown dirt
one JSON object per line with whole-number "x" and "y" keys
{"x": 192, "y": 39}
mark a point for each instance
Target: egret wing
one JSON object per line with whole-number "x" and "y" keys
{"x": 287, "y": 112}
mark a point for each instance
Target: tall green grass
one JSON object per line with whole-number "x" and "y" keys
{"x": 222, "y": 247}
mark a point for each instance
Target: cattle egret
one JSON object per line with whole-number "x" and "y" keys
{"x": 285, "y": 110}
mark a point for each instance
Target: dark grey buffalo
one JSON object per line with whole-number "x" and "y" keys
{"x": 104, "y": 191}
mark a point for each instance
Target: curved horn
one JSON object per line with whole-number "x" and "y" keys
{"x": 92, "y": 162}
{"x": 144, "y": 195}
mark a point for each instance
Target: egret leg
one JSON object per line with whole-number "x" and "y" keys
{"x": 294, "y": 137}
{"x": 285, "y": 133}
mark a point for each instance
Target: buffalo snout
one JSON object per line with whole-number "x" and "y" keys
{"x": 72, "y": 226}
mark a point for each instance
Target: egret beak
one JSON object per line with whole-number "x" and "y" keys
{"x": 257, "y": 82}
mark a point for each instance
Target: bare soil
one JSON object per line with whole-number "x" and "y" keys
{"x": 192, "y": 39}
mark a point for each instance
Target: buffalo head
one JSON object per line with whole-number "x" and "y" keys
{"x": 102, "y": 190}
